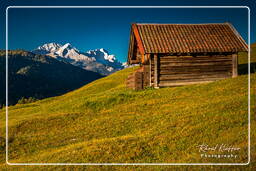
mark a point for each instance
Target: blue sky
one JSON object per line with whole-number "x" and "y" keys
{"x": 104, "y": 28}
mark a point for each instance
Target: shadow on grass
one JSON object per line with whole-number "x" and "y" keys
{"x": 243, "y": 68}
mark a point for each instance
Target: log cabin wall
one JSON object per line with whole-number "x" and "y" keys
{"x": 184, "y": 70}
{"x": 135, "y": 80}
{"x": 139, "y": 79}
{"x": 146, "y": 75}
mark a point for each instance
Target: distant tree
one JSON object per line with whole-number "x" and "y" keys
{"x": 2, "y": 106}
{"x": 21, "y": 101}
{"x": 24, "y": 100}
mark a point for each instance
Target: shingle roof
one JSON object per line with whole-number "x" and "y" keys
{"x": 189, "y": 38}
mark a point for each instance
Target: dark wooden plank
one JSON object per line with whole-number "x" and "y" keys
{"x": 189, "y": 76}
{"x": 168, "y": 84}
{"x": 197, "y": 57}
{"x": 191, "y": 70}
{"x": 166, "y": 72}
{"x": 194, "y": 73}
{"x": 134, "y": 61}
{"x": 192, "y": 80}
{"x": 193, "y": 61}
{"x": 169, "y": 73}
{"x": 195, "y": 64}
{"x": 155, "y": 70}
{"x": 146, "y": 61}
{"x": 196, "y": 67}
{"x": 195, "y": 70}
{"x": 150, "y": 71}
{"x": 234, "y": 65}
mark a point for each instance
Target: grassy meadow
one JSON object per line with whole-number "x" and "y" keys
{"x": 104, "y": 122}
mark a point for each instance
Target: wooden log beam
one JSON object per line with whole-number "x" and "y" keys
{"x": 146, "y": 59}
{"x": 181, "y": 83}
{"x": 146, "y": 75}
{"x": 192, "y": 76}
{"x": 135, "y": 80}
{"x": 150, "y": 70}
{"x": 134, "y": 61}
{"x": 195, "y": 64}
{"x": 234, "y": 65}
{"x": 156, "y": 70}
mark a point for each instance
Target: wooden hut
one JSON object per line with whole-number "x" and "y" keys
{"x": 182, "y": 54}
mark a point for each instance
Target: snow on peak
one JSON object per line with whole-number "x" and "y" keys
{"x": 102, "y": 55}
{"x": 49, "y": 47}
{"x": 110, "y": 58}
{"x": 68, "y": 51}
{"x": 67, "y": 45}
{"x": 98, "y": 60}
{"x": 54, "y": 46}
{"x": 103, "y": 50}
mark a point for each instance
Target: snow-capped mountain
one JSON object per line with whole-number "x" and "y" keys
{"x": 46, "y": 48}
{"x": 98, "y": 60}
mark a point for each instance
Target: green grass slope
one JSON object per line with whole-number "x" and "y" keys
{"x": 105, "y": 122}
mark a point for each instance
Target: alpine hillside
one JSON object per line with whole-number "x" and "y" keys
{"x": 39, "y": 76}
{"x": 104, "y": 122}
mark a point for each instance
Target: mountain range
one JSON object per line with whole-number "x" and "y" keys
{"x": 39, "y": 76}
{"x": 52, "y": 69}
{"x": 98, "y": 60}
